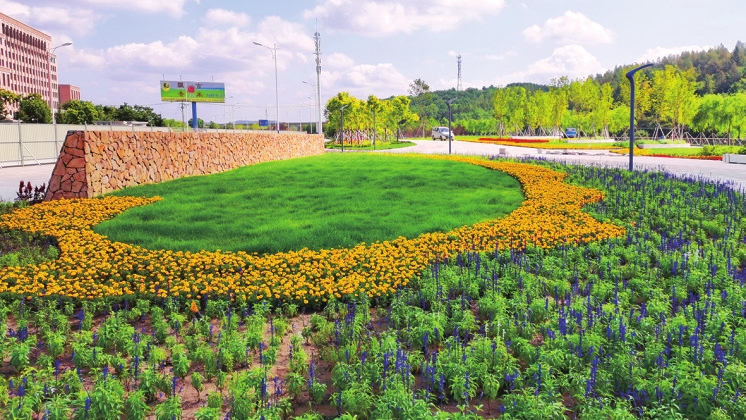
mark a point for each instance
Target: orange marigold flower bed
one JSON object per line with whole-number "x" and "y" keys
{"x": 91, "y": 266}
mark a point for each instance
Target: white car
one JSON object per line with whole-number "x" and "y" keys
{"x": 442, "y": 133}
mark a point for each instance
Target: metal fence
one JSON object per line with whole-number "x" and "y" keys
{"x": 35, "y": 144}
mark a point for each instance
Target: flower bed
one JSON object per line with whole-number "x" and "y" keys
{"x": 543, "y": 144}
{"x": 511, "y": 140}
{"x": 647, "y": 152}
{"x": 91, "y": 266}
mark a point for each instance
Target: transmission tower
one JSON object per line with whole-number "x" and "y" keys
{"x": 317, "y": 39}
{"x": 458, "y": 84}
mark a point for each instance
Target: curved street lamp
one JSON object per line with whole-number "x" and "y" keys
{"x": 49, "y": 73}
{"x": 51, "y": 98}
{"x": 273, "y": 48}
{"x": 450, "y": 133}
{"x": 631, "y": 77}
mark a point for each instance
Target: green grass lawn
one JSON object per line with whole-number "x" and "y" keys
{"x": 320, "y": 202}
{"x": 695, "y": 151}
{"x": 379, "y": 146}
{"x": 676, "y": 151}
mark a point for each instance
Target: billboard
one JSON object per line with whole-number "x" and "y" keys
{"x": 178, "y": 91}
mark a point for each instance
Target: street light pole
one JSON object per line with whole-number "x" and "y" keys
{"x": 342, "y": 126}
{"x": 273, "y": 48}
{"x": 631, "y": 77}
{"x": 51, "y": 98}
{"x": 317, "y": 106}
{"x": 311, "y": 120}
{"x": 450, "y": 133}
{"x": 49, "y": 73}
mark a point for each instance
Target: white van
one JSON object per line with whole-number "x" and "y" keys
{"x": 442, "y": 133}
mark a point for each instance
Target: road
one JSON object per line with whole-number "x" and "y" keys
{"x": 713, "y": 170}
{"x": 708, "y": 169}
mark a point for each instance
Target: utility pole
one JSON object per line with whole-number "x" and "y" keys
{"x": 458, "y": 83}
{"x": 317, "y": 40}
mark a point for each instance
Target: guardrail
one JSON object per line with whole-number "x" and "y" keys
{"x": 36, "y": 144}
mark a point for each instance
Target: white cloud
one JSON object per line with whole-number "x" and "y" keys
{"x": 130, "y": 72}
{"x": 500, "y": 57}
{"x": 174, "y": 7}
{"x": 361, "y": 80}
{"x": 211, "y": 51}
{"x": 572, "y": 27}
{"x": 223, "y": 17}
{"x": 570, "y": 60}
{"x": 387, "y": 17}
{"x": 653, "y": 54}
{"x": 337, "y": 61}
{"x": 573, "y": 61}
{"x": 77, "y": 20}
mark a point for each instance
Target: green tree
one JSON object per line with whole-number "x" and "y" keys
{"x": 33, "y": 109}
{"x": 375, "y": 107}
{"x": 78, "y": 112}
{"x": 200, "y": 123}
{"x": 510, "y": 108}
{"x": 643, "y": 93}
{"x": 7, "y": 98}
{"x": 107, "y": 112}
{"x": 422, "y": 102}
{"x": 400, "y": 113}
{"x": 168, "y": 122}
{"x": 418, "y": 87}
{"x": 674, "y": 97}
{"x": 141, "y": 113}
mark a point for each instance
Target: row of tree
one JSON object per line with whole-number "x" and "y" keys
{"x": 365, "y": 118}
{"x": 697, "y": 92}
{"x": 32, "y": 108}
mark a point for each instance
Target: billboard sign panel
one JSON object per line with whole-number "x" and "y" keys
{"x": 183, "y": 91}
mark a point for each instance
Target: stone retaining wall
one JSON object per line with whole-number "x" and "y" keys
{"x": 97, "y": 162}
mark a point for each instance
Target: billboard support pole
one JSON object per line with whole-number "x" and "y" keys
{"x": 194, "y": 115}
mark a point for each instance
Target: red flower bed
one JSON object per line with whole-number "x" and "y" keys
{"x": 517, "y": 141}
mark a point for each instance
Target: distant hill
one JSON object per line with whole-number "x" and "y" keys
{"x": 718, "y": 71}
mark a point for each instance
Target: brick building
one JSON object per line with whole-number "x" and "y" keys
{"x": 27, "y": 62}
{"x": 68, "y": 93}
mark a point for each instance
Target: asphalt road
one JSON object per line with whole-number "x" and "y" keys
{"x": 39, "y": 174}
{"x": 708, "y": 169}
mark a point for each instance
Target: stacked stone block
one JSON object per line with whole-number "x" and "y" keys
{"x": 92, "y": 163}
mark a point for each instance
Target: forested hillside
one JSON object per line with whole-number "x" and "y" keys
{"x": 688, "y": 94}
{"x": 696, "y": 92}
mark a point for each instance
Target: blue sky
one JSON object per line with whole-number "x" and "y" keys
{"x": 122, "y": 48}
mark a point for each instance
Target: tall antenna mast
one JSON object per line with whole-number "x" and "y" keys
{"x": 317, "y": 40}
{"x": 458, "y": 84}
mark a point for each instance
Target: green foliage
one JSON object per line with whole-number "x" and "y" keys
{"x": 169, "y": 410}
{"x": 207, "y": 413}
{"x": 78, "y": 112}
{"x": 135, "y": 406}
{"x": 34, "y": 109}
{"x": 7, "y": 98}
